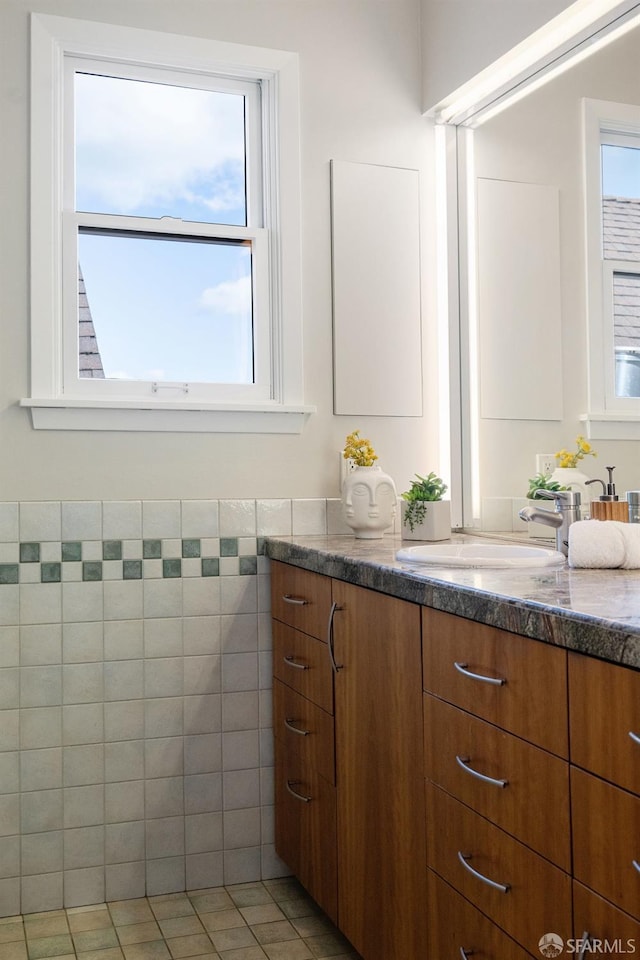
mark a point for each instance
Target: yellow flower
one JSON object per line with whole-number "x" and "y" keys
{"x": 359, "y": 450}
{"x": 567, "y": 459}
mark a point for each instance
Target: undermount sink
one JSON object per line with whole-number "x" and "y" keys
{"x": 480, "y": 555}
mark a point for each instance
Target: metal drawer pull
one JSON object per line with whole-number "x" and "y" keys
{"x": 299, "y": 796}
{"x": 291, "y": 661}
{"x": 334, "y": 666}
{"x": 297, "y": 601}
{"x": 463, "y": 761}
{"x": 463, "y": 857}
{"x": 634, "y": 736}
{"x": 290, "y": 725}
{"x": 462, "y": 668}
{"x": 465, "y": 953}
{"x": 636, "y": 865}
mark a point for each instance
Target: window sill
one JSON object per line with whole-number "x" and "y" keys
{"x": 165, "y": 416}
{"x": 611, "y": 426}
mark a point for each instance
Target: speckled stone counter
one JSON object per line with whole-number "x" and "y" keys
{"x": 592, "y": 611}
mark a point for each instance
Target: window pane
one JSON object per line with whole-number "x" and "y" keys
{"x": 626, "y": 319}
{"x": 621, "y": 202}
{"x": 165, "y": 309}
{"x": 154, "y": 150}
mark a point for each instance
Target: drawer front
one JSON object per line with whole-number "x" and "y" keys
{"x": 604, "y": 710}
{"x": 599, "y": 920}
{"x": 305, "y": 828}
{"x": 456, "y": 928}
{"x": 517, "y": 684}
{"x": 606, "y": 840}
{"x": 300, "y": 598}
{"x": 302, "y": 663}
{"x": 304, "y": 729}
{"x": 528, "y": 791}
{"x": 538, "y": 895}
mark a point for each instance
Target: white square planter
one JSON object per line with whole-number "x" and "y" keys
{"x": 436, "y": 524}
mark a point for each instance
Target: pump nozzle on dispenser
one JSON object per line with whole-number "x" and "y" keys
{"x": 608, "y": 505}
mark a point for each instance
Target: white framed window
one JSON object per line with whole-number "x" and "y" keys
{"x": 165, "y": 232}
{"x": 612, "y": 197}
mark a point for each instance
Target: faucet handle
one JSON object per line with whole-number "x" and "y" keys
{"x": 563, "y": 498}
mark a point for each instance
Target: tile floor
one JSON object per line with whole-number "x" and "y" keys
{"x": 272, "y": 920}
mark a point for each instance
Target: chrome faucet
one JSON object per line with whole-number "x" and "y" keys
{"x": 566, "y": 512}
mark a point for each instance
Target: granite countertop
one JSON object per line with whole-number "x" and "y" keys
{"x": 592, "y": 611}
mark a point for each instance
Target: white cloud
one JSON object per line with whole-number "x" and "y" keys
{"x": 142, "y": 143}
{"x": 231, "y": 297}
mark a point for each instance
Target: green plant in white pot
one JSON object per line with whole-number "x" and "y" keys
{"x": 425, "y": 515}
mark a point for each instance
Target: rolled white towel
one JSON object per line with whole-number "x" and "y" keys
{"x": 597, "y": 544}
{"x": 631, "y": 534}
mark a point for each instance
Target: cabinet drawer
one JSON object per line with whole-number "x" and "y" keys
{"x": 606, "y": 839}
{"x": 456, "y": 927}
{"x": 532, "y": 806}
{"x": 303, "y": 664}
{"x": 601, "y": 921}
{"x": 304, "y": 729}
{"x": 305, "y": 829}
{"x": 604, "y": 709}
{"x": 300, "y": 598}
{"x": 518, "y": 684}
{"x": 538, "y": 895}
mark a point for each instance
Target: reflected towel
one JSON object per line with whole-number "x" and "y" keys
{"x": 604, "y": 544}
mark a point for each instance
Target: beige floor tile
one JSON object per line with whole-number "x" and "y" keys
{"x": 12, "y": 931}
{"x": 152, "y": 950}
{"x": 299, "y": 908}
{"x": 130, "y": 911}
{"x": 273, "y": 932}
{"x": 111, "y": 953}
{"x": 233, "y": 939}
{"x": 165, "y": 909}
{"x": 17, "y": 950}
{"x": 139, "y": 932}
{"x": 212, "y": 901}
{"x": 288, "y": 950}
{"x": 329, "y": 946}
{"x": 264, "y": 913}
{"x": 180, "y": 927}
{"x": 244, "y": 953}
{"x": 286, "y": 888}
{"x": 89, "y": 920}
{"x": 196, "y": 945}
{"x": 37, "y": 927}
{"x": 222, "y": 920}
{"x": 315, "y": 926}
{"x": 250, "y": 895}
{"x": 86, "y": 941}
{"x": 49, "y": 946}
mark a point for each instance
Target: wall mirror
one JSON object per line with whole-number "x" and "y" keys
{"x": 547, "y": 270}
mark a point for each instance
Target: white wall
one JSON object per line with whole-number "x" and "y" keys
{"x": 539, "y": 140}
{"x": 360, "y": 101}
{"x": 462, "y": 37}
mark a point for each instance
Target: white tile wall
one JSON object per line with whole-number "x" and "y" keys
{"x": 136, "y": 754}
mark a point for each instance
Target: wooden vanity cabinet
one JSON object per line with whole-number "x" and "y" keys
{"x": 497, "y": 784}
{"x": 604, "y": 702}
{"x": 370, "y": 711}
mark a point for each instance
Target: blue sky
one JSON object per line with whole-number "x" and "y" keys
{"x": 164, "y": 310}
{"x": 620, "y": 171}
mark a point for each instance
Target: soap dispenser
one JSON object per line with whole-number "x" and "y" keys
{"x": 609, "y": 506}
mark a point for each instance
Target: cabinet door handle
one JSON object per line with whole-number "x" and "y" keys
{"x": 636, "y": 865}
{"x": 463, "y": 857}
{"x": 334, "y": 666}
{"x": 586, "y": 942}
{"x": 462, "y": 668}
{"x": 464, "y": 761}
{"x": 297, "y": 601}
{"x": 290, "y": 725}
{"x": 294, "y": 793}
{"x": 290, "y": 660}
{"x": 465, "y": 953}
{"x": 634, "y": 736}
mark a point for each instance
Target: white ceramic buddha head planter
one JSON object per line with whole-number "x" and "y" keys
{"x": 369, "y": 496}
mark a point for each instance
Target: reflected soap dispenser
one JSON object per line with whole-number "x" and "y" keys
{"x": 609, "y": 506}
